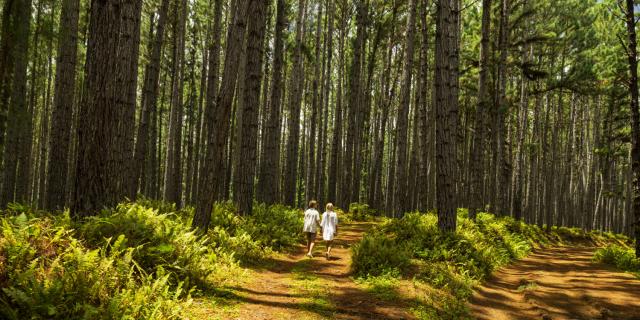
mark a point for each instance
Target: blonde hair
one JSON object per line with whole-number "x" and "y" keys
{"x": 313, "y": 204}
{"x": 329, "y": 206}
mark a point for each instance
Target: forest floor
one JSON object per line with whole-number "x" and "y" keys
{"x": 551, "y": 283}
{"x": 558, "y": 283}
{"x": 292, "y": 286}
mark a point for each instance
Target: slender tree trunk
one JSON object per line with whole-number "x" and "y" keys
{"x": 477, "y": 168}
{"x": 128, "y": 54}
{"x": 446, "y": 102}
{"x": 173, "y": 165}
{"x": 17, "y": 153}
{"x": 348, "y": 194}
{"x": 635, "y": 118}
{"x": 150, "y": 92}
{"x": 6, "y": 66}
{"x": 336, "y": 144}
{"x": 295, "y": 99}
{"x": 253, "y": 77}
{"x": 310, "y": 186}
{"x": 218, "y": 130}
{"x": 403, "y": 114}
{"x": 268, "y": 189}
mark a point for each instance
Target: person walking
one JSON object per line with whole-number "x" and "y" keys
{"x": 311, "y": 223}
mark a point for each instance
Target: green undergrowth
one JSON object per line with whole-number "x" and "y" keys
{"x": 620, "y": 256}
{"x": 447, "y": 266}
{"x": 137, "y": 261}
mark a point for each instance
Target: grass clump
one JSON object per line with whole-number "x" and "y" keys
{"x": 620, "y": 256}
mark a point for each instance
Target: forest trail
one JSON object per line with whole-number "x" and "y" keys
{"x": 293, "y": 286}
{"x": 558, "y": 283}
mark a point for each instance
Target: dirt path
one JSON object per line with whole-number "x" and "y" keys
{"x": 295, "y": 287}
{"x": 558, "y": 283}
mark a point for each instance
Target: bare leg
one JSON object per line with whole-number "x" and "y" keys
{"x": 329, "y": 244}
{"x": 311, "y": 245}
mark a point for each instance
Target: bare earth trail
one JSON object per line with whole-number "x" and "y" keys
{"x": 295, "y": 287}
{"x": 558, "y": 283}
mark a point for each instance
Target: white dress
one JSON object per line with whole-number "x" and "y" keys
{"x": 329, "y": 224}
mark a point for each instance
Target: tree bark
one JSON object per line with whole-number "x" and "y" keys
{"x": 173, "y": 165}
{"x": 95, "y": 183}
{"x": 293, "y": 124}
{"x": 268, "y": 189}
{"x": 401, "y": 188}
{"x": 635, "y": 117}
{"x": 18, "y": 151}
{"x": 253, "y": 77}
{"x": 212, "y": 170}
{"x": 446, "y": 102}
{"x": 150, "y": 92}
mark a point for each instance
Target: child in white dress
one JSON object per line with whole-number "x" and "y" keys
{"x": 329, "y": 227}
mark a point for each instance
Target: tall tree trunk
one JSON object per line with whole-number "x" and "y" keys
{"x": 95, "y": 182}
{"x": 336, "y": 143}
{"x": 150, "y": 92}
{"x": 348, "y": 193}
{"x": 212, "y": 176}
{"x": 253, "y": 77}
{"x": 18, "y": 151}
{"x": 7, "y": 36}
{"x": 295, "y": 99}
{"x": 401, "y": 189}
{"x": 129, "y": 47}
{"x": 477, "y": 168}
{"x": 310, "y": 187}
{"x": 635, "y": 118}
{"x": 173, "y": 165}
{"x": 268, "y": 189}
{"x": 446, "y": 102}
{"x": 324, "y": 130}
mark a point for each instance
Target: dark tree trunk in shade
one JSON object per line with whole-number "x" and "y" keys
{"x": 173, "y": 165}
{"x": 212, "y": 172}
{"x": 293, "y": 124}
{"x": 401, "y": 188}
{"x": 268, "y": 189}
{"x": 635, "y": 118}
{"x": 95, "y": 183}
{"x": 150, "y": 94}
{"x": 477, "y": 168}
{"x": 253, "y": 77}
{"x": 446, "y": 102}
{"x": 18, "y": 137}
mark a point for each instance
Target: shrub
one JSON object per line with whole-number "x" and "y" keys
{"x": 276, "y": 226}
{"x": 159, "y": 240}
{"x": 622, "y": 257}
{"x": 377, "y": 254}
{"x": 46, "y": 273}
{"x": 361, "y": 212}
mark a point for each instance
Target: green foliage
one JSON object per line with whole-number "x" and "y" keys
{"x": 620, "y": 256}
{"x": 361, "y": 212}
{"x": 133, "y": 262}
{"x": 251, "y": 238}
{"x": 46, "y": 273}
{"x": 454, "y": 263}
{"x": 158, "y": 240}
{"x": 377, "y": 254}
{"x": 382, "y": 286}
